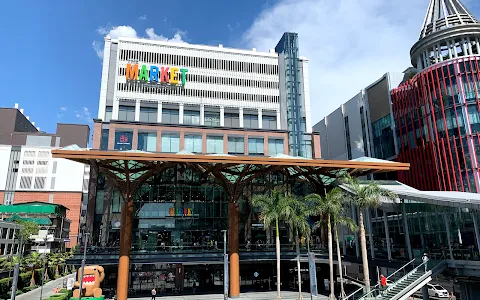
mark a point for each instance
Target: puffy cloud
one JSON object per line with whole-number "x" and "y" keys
{"x": 142, "y": 18}
{"x": 128, "y": 31}
{"x": 84, "y": 115}
{"x": 350, "y": 43}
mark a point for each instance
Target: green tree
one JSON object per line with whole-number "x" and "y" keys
{"x": 365, "y": 196}
{"x": 275, "y": 207}
{"x": 29, "y": 228}
{"x": 32, "y": 261}
{"x": 329, "y": 207}
{"x": 298, "y": 222}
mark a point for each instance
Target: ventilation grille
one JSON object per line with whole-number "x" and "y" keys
{"x": 25, "y": 182}
{"x": 29, "y": 154}
{"x": 39, "y": 183}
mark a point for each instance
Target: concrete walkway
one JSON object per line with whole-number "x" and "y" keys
{"x": 47, "y": 289}
{"x": 245, "y": 296}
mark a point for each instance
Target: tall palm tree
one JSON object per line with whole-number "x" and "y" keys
{"x": 339, "y": 221}
{"x": 299, "y": 223}
{"x": 276, "y": 207}
{"x": 329, "y": 206}
{"x": 365, "y": 196}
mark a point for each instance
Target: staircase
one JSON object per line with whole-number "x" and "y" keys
{"x": 405, "y": 281}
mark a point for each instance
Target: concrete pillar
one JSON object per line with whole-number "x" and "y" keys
{"x": 475, "y": 226}
{"x": 137, "y": 110}
{"x": 159, "y": 112}
{"x": 439, "y": 49}
{"x": 449, "y": 239}
{"x": 419, "y": 63}
{"x": 240, "y": 116}
{"x": 435, "y": 53}
{"x": 370, "y": 235}
{"x": 464, "y": 47}
{"x": 450, "y": 53}
{"x": 116, "y": 104}
{"x": 469, "y": 46}
{"x": 279, "y": 123}
{"x": 478, "y": 45}
{"x": 180, "y": 113}
{"x": 405, "y": 230}
{"x": 387, "y": 235}
{"x": 425, "y": 295}
{"x": 222, "y": 116}
{"x": 260, "y": 118}
{"x": 455, "y": 53}
{"x": 202, "y": 114}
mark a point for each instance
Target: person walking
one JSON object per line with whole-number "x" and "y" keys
{"x": 425, "y": 260}
{"x": 154, "y": 293}
{"x": 452, "y": 296}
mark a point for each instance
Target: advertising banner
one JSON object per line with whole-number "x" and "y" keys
{"x": 313, "y": 274}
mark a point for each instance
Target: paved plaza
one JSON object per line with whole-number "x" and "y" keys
{"x": 245, "y": 296}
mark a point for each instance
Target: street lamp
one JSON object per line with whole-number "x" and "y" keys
{"x": 44, "y": 257}
{"x": 225, "y": 266}
{"x": 17, "y": 268}
{"x": 83, "y": 264}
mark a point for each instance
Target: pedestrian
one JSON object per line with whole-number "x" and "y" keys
{"x": 154, "y": 293}
{"x": 452, "y": 296}
{"x": 425, "y": 260}
{"x": 194, "y": 287}
{"x": 383, "y": 282}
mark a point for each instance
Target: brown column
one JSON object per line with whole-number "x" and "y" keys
{"x": 233, "y": 216}
{"x": 125, "y": 245}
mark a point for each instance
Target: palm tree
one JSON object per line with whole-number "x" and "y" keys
{"x": 277, "y": 206}
{"x": 365, "y": 196}
{"x": 329, "y": 206}
{"x": 299, "y": 223}
{"x": 341, "y": 220}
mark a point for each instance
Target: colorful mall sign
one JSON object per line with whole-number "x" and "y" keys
{"x": 180, "y": 212}
{"x": 155, "y": 75}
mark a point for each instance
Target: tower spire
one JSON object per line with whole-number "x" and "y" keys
{"x": 442, "y": 14}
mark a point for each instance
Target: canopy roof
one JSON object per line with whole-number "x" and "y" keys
{"x": 134, "y": 166}
{"x": 441, "y": 198}
{"x": 39, "y": 221}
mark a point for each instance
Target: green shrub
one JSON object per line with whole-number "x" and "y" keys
{"x": 4, "y": 286}
{"x": 24, "y": 280}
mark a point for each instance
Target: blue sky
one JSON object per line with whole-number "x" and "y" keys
{"x": 52, "y": 44}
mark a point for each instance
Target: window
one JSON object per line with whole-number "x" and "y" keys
{"x": 231, "y": 120}
{"x": 236, "y": 145}
{"x": 108, "y": 113}
{"x": 212, "y": 119}
{"x": 275, "y": 146}
{"x": 126, "y": 113}
{"x": 171, "y": 142}
{"x": 123, "y": 140}
{"x": 250, "y": 121}
{"x": 148, "y": 114}
{"x": 193, "y": 143}
{"x": 214, "y": 144}
{"x": 255, "y": 146}
{"x": 39, "y": 183}
{"x": 347, "y": 137}
{"x": 104, "y": 139}
{"x": 170, "y": 116}
{"x": 269, "y": 122}
{"x": 191, "y": 117}
{"x": 147, "y": 141}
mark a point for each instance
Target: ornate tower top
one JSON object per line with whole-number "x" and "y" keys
{"x": 442, "y": 14}
{"x": 449, "y": 31}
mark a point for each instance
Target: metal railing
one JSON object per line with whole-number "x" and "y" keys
{"x": 379, "y": 291}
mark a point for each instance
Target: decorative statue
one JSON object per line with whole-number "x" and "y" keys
{"x": 92, "y": 277}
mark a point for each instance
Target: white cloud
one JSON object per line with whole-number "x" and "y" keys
{"x": 84, "y": 115}
{"x": 142, "y": 18}
{"x": 350, "y": 43}
{"x": 63, "y": 108}
{"x": 128, "y": 31}
{"x": 177, "y": 37}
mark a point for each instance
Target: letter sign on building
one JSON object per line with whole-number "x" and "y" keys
{"x": 155, "y": 76}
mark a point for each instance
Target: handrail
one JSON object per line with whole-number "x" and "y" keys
{"x": 401, "y": 268}
{"x": 352, "y": 294}
{"x": 415, "y": 269}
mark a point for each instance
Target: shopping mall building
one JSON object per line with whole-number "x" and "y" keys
{"x": 178, "y": 98}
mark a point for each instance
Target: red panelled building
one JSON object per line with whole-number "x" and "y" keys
{"x": 437, "y": 112}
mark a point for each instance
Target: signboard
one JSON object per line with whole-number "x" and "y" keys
{"x": 313, "y": 275}
{"x": 180, "y": 212}
{"x": 70, "y": 282}
{"x": 156, "y": 76}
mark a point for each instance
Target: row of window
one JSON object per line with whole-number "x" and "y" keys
{"x": 167, "y": 90}
{"x": 170, "y": 143}
{"x": 191, "y": 117}
{"x": 222, "y": 80}
{"x": 197, "y": 62}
